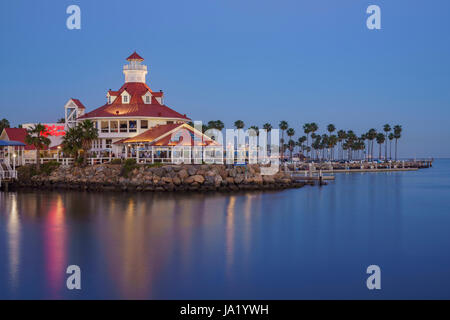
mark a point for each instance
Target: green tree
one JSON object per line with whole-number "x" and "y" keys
{"x": 35, "y": 138}
{"x": 371, "y": 135}
{"x": 283, "y": 125}
{"x": 391, "y": 137}
{"x": 88, "y": 134}
{"x": 78, "y": 140}
{"x": 342, "y": 135}
{"x": 239, "y": 124}
{"x": 380, "y": 140}
{"x": 71, "y": 143}
{"x": 291, "y": 132}
{"x": 397, "y": 135}
{"x": 386, "y": 129}
{"x": 301, "y": 144}
{"x": 4, "y": 124}
{"x": 267, "y": 126}
{"x": 256, "y": 129}
{"x": 307, "y": 131}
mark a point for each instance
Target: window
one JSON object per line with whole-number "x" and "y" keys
{"x": 132, "y": 125}
{"x": 114, "y": 126}
{"x": 123, "y": 125}
{"x": 147, "y": 99}
{"x": 97, "y": 144}
{"x": 108, "y": 143}
{"x": 105, "y": 126}
{"x": 169, "y": 122}
{"x": 144, "y": 124}
{"x": 109, "y": 100}
{"x": 125, "y": 99}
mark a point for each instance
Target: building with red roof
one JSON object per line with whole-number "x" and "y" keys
{"x": 132, "y": 114}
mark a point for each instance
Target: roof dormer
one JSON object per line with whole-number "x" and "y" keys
{"x": 126, "y": 97}
{"x": 159, "y": 96}
{"x": 147, "y": 97}
{"x": 111, "y": 96}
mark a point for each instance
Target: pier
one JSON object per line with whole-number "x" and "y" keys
{"x": 7, "y": 174}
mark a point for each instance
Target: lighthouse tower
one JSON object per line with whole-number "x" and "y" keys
{"x": 134, "y": 71}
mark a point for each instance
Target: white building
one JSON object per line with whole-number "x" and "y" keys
{"x": 128, "y": 112}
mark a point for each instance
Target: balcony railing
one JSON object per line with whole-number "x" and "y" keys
{"x": 134, "y": 67}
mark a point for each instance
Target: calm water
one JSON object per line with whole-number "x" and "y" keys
{"x": 305, "y": 243}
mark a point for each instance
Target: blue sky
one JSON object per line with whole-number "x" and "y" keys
{"x": 258, "y": 61}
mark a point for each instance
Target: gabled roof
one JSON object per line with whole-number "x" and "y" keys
{"x": 135, "y": 56}
{"x": 171, "y": 135}
{"x": 136, "y": 106}
{"x": 19, "y": 134}
{"x": 78, "y": 103}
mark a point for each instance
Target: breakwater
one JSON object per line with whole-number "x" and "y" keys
{"x": 204, "y": 177}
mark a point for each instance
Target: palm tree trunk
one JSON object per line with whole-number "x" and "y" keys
{"x": 385, "y": 147}
{"x": 390, "y": 149}
{"x": 396, "y": 149}
{"x": 38, "y": 159}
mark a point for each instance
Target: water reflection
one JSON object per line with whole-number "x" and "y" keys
{"x": 229, "y": 258}
{"x": 13, "y": 231}
{"x": 245, "y": 245}
{"x": 55, "y": 246}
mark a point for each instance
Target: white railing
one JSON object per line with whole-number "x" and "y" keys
{"x": 135, "y": 67}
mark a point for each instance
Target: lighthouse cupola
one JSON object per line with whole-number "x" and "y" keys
{"x": 135, "y": 71}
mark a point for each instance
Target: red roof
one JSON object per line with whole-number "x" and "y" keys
{"x": 78, "y": 103}
{"x": 135, "y": 56}
{"x": 19, "y": 134}
{"x": 170, "y": 135}
{"x": 136, "y": 106}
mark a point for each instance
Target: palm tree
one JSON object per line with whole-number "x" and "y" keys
{"x": 397, "y": 135}
{"x": 4, "y": 124}
{"x": 307, "y": 131}
{"x": 316, "y": 144}
{"x": 371, "y": 135}
{"x": 300, "y": 143}
{"x": 35, "y": 138}
{"x": 256, "y": 129}
{"x": 71, "y": 143}
{"x": 267, "y": 126}
{"x": 363, "y": 139}
{"x": 88, "y": 134}
{"x": 239, "y": 124}
{"x": 314, "y": 127}
{"x": 219, "y": 125}
{"x": 331, "y": 128}
{"x": 350, "y": 141}
{"x": 291, "y": 132}
{"x": 342, "y": 135}
{"x": 380, "y": 140}
{"x": 216, "y": 124}
{"x": 332, "y": 142}
{"x": 387, "y": 129}
{"x": 391, "y": 137}
{"x": 283, "y": 125}
{"x": 79, "y": 139}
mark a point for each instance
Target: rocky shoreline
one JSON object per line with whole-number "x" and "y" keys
{"x": 167, "y": 178}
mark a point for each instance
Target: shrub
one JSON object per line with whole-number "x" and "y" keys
{"x": 24, "y": 173}
{"x": 128, "y": 166}
{"x": 154, "y": 165}
{"x": 48, "y": 167}
{"x": 116, "y": 161}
